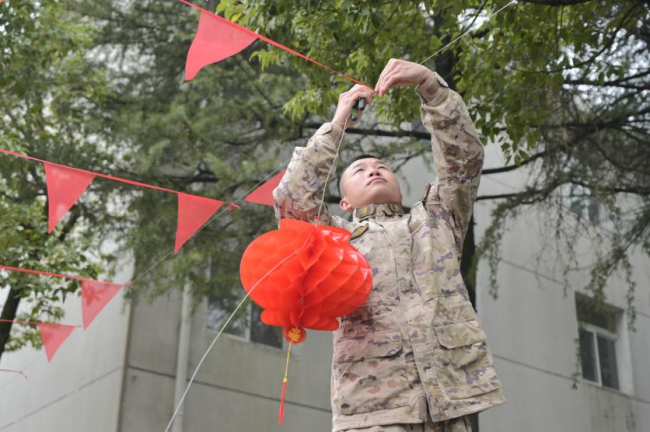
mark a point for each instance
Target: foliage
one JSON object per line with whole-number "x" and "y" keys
{"x": 50, "y": 92}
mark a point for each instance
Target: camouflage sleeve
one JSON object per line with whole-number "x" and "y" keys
{"x": 298, "y": 196}
{"x": 457, "y": 154}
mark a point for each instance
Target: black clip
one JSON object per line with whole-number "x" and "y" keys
{"x": 359, "y": 106}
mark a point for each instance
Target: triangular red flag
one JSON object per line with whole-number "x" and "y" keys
{"x": 64, "y": 187}
{"x": 214, "y": 41}
{"x": 95, "y": 295}
{"x": 193, "y": 212}
{"x": 53, "y": 335}
{"x": 264, "y": 194}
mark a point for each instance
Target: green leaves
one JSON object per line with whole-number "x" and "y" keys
{"x": 50, "y": 94}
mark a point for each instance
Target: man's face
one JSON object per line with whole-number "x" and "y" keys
{"x": 369, "y": 181}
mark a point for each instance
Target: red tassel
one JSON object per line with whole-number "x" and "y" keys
{"x": 284, "y": 384}
{"x": 284, "y": 390}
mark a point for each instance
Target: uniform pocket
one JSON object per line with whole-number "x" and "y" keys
{"x": 369, "y": 373}
{"x": 454, "y": 335}
{"x": 464, "y": 365}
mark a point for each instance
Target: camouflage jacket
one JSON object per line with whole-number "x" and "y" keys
{"x": 417, "y": 340}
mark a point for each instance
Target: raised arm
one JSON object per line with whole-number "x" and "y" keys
{"x": 298, "y": 196}
{"x": 457, "y": 154}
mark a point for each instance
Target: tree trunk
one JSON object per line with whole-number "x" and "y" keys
{"x": 8, "y": 313}
{"x": 469, "y": 249}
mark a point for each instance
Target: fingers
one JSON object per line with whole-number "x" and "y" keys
{"x": 357, "y": 92}
{"x": 348, "y": 99}
{"x": 396, "y": 79}
{"x": 380, "y": 88}
{"x": 398, "y": 73}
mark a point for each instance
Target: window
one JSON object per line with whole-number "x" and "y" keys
{"x": 246, "y": 325}
{"x": 598, "y": 342}
{"x": 582, "y": 202}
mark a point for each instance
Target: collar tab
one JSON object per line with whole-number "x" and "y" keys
{"x": 377, "y": 210}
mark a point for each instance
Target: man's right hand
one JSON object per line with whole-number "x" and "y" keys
{"x": 347, "y": 100}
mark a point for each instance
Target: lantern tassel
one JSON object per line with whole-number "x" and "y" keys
{"x": 284, "y": 384}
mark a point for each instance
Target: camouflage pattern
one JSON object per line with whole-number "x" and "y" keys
{"x": 415, "y": 350}
{"x": 457, "y": 424}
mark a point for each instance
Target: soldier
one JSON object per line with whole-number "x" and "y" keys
{"x": 414, "y": 357}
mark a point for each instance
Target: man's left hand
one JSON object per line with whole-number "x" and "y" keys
{"x": 401, "y": 73}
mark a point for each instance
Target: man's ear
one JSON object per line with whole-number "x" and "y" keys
{"x": 345, "y": 205}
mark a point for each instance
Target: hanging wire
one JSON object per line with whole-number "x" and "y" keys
{"x": 198, "y": 366}
{"x": 466, "y": 32}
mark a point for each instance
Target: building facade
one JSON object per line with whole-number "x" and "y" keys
{"x": 125, "y": 371}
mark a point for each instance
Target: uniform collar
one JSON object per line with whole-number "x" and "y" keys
{"x": 377, "y": 210}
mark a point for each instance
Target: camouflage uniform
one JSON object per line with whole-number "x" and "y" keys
{"x": 415, "y": 350}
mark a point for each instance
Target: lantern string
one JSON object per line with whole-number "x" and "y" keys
{"x": 198, "y": 366}
{"x": 284, "y": 384}
{"x": 327, "y": 179}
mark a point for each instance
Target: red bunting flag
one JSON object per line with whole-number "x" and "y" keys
{"x": 214, "y": 41}
{"x": 64, "y": 187}
{"x": 95, "y": 295}
{"x": 193, "y": 212}
{"x": 264, "y": 194}
{"x": 53, "y": 335}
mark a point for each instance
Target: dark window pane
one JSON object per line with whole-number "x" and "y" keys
{"x": 587, "y": 355}
{"x": 589, "y": 312}
{"x": 607, "y": 358}
{"x": 262, "y": 333}
{"x": 219, "y": 311}
{"x": 594, "y": 210}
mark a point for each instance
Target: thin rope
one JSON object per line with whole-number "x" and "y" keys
{"x": 336, "y": 156}
{"x": 286, "y": 369}
{"x": 14, "y": 371}
{"x": 467, "y": 32}
{"x": 272, "y": 42}
{"x": 180, "y": 403}
{"x": 97, "y": 174}
{"x": 244, "y": 195}
{"x": 32, "y": 363}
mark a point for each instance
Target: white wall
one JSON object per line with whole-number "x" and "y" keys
{"x": 532, "y": 325}
{"x": 239, "y": 385}
{"x": 79, "y": 390}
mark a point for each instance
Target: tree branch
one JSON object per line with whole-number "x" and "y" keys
{"x": 377, "y": 132}
{"x": 557, "y": 2}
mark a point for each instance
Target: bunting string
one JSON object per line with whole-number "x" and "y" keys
{"x": 14, "y": 371}
{"x": 272, "y": 42}
{"x": 106, "y": 176}
{"x": 95, "y": 293}
{"x": 43, "y": 273}
{"x": 31, "y": 322}
{"x": 241, "y": 197}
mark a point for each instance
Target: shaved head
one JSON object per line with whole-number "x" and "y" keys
{"x": 368, "y": 180}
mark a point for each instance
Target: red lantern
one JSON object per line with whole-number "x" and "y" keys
{"x": 304, "y": 276}
{"x": 307, "y": 275}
